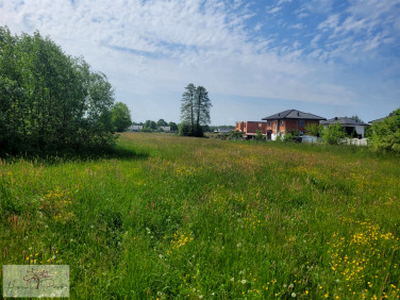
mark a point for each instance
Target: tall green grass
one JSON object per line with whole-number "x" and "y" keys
{"x": 202, "y": 218}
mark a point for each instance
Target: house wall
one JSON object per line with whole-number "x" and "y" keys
{"x": 284, "y": 126}
{"x": 251, "y": 127}
{"x": 272, "y": 126}
{"x": 239, "y": 126}
{"x": 360, "y": 130}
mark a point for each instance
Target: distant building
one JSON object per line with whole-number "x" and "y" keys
{"x": 222, "y": 130}
{"x": 136, "y": 128}
{"x": 381, "y": 119}
{"x": 288, "y": 120}
{"x": 164, "y": 128}
{"x": 352, "y": 127}
{"x": 250, "y": 128}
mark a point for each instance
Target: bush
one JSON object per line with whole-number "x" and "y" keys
{"x": 314, "y": 129}
{"x": 385, "y": 135}
{"x": 291, "y": 136}
{"x": 333, "y": 134}
{"x": 259, "y": 136}
{"x": 184, "y": 129}
{"x": 235, "y": 135}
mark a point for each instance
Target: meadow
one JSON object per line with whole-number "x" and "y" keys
{"x": 208, "y": 219}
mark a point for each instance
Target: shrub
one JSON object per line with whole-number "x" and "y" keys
{"x": 259, "y": 136}
{"x": 291, "y": 136}
{"x": 333, "y": 134}
{"x": 235, "y": 135}
{"x": 385, "y": 135}
{"x": 184, "y": 129}
{"x": 314, "y": 129}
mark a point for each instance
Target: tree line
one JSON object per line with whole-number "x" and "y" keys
{"x": 51, "y": 101}
{"x": 152, "y": 126}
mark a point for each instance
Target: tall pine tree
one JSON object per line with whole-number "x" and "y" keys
{"x": 195, "y": 110}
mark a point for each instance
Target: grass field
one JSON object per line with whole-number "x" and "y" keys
{"x": 202, "y": 218}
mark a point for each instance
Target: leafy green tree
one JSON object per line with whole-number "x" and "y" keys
{"x": 314, "y": 129}
{"x": 173, "y": 126}
{"x": 161, "y": 122}
{"x": 185, "y": 129}
{"x": 149, "y": 125}
{"x": 50, "y": 101}
{"x": 195, "y": 109}
{"x": 385, "y": 135}
{"x": 121, "y": 117}
{"x": 333, "y": 133}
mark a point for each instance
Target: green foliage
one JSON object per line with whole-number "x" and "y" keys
{"x": 314, "y": 129}
{"x": 185, "y": 129}
{"x": 291, "y": 136}
{"x": 195, "y": 109}
{"x": 173, "y": 126}
{"x": 121, "y": 117}
{"x": 235, "y": 135}
{"x": 333, "y": 133}
{"x": 385, "y": 135}
{"x": 259, "y": 136}
{"x": 149, "y": 126}
{"x": 49, "y": 101}
{"x": 161, "y": 122}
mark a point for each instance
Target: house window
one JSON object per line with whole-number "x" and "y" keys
{"x": 301, "y": 123}
{"x": 282, "y": 123}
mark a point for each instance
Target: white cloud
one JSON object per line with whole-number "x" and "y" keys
{"x": 365, "y": 26}
{"x": 330, "y": 23}
{"x": 319, "y": 6}
{"x": 274, "y": 10}
{"x": 258, "y": 27}
{"x": 280, "y": 2}
{"x": 298, "y": 26}
{"x": 315, "y": 40}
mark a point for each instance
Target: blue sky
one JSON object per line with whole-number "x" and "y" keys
{"x": 256, "y": 58}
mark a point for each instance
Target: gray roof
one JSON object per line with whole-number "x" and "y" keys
{"x": 381, "y": 119}
{"x": 377, "y": 120}
{"x": 344, "y": 121}
{"x": 293, "y": 114}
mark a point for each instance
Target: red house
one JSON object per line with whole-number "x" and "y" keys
{"x": 288, "y": 120}
{"x": 250, "y": 128}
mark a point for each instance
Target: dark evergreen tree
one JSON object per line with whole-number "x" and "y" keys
{"x": 195, "y": 110}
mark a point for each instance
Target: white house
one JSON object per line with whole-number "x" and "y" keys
{"x": 136, "y": 128}
{"x": 351, "y": 126}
